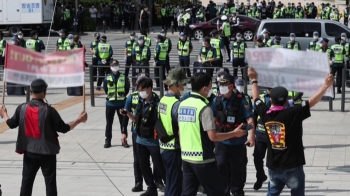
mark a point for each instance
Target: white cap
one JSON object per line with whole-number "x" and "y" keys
{"x": 223, "y": 17}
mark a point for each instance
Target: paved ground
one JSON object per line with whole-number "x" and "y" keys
{"x": 327, "y": 149}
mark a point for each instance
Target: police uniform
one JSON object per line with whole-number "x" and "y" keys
{"x": 293, "y": 45}
{"x": 338, "y": 64}
{"x": 226, "y": 35}
{"x": 168, "y": 43}
{"x": 231, "y": 155}
{"x": 104, "y": 53}
{"x": 314, "y": 46}
{"x": 184, "y": 49}
{"x": 93, "y": 46}
{"x": 32, "y": 44}
{"x": 129, "y": 45}
{"x": 62, "y": 43}
{"x": 238, "y": 55}
{"x": 346, "y": 46}
{"x": 141, "y": 56}
{"x": 160, "y": 56}
{"x": 186, "y": 18}
{"x": 206, "y": 54}
{"x": 163, "y": 14}
{"x": 218, "y": 44}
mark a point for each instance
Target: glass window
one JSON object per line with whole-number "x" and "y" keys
{"x": 335, "y": 30}
{"x": 282, "y": 29}
{"x": 302, "y": 29}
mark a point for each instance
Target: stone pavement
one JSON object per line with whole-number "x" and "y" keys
{"x": 327, "y": 149}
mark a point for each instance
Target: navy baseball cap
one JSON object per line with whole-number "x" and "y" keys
{"x": 278, "y": 38}
{"x": 324, "y": 40}
{"x": 226, "y": 78}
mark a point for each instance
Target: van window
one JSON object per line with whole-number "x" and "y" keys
{"x": 282, "y": 29}
{"x": 302, "y": 29}
{"x": 335, "y": 30}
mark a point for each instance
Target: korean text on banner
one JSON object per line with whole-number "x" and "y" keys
{"x": 301, "y": 71}
{"x": 59, "y": 69}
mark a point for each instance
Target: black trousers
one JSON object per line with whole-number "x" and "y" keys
{"x": 31, "y": 164}
{"x": 227, "y": 46}
{"x": 181, "y": 29}
{"x": 144, "y": 153}
{"x": 338, "y": 80}
{"x": 232, "y": 165}
{"x": 157, "y": 74}
{"x": 260, "y": 148}
{"x": 206, "y": 174}
{"x": 128, "y": 64}
{"x": 164, "y": 23}
{"x": 173, "y": 163}
{"x": 167, "y": 66}
{"x": 137, "y": 168}
{"x": 186, "y": 64}
{"x": 132, "y": 22}
{"x": 94, "y": 70}
{"x": 209, "y": 71}
{"x": 136, "y": 70}
{"x": 144, "y": 25}
{"x": 238, "y": 63}
{"x": 102, "y": 72}
{"x": 110, "y": 112}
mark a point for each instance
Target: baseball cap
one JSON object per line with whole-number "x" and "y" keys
{"x": 221, "y": 71}
{"x": 115, "y": 63}
{"x": 324, "y": 40}
{"x": 176, "y": 76}
{"x": 183, "y": 34}
{"x": 38, "y": 86}
{"x": 34, "y": 32}
{"x": 160, "y": 37}
{"x": 278, "y": 38}
{"x": 260, "y": 38}
{"x": 226, "y": 78}
{"x": 140, "y": 77}
{"x": 103, "y": 37}
{"x": 279, "y": 95}
{"x": 240, "y": 82}
{"x": 140, "y": 37}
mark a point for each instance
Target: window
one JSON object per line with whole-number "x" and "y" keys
{"x": 302, "y": 29}
{"x": 282, "y": 29}
{"x": 335, "y": 30}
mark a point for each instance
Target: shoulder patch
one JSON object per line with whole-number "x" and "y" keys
{"x": 303, "y": 104}
{"x": 258, "y": 102}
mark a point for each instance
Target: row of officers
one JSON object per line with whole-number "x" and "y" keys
{"x": 194, "y": 138}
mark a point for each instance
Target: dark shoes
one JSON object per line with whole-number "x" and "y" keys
{"x": 160, "y": 186}
{"x": 238, "y": 193}
{"x": 98, "y": 88}
{"x": 150, "y": 192}
{"x": 107, "y": 144}
{"x": 125, "y": 145}
{"x": 339, "y": 91}
{"x": 137, "y": 188}
{"x": 258, "y": 183}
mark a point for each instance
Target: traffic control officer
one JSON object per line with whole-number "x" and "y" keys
{"x": 160, "y": 60}
{"x": 207, "y": 56}
{"x": 129, "y": 45}
{"x": 186, "y": 18}
{"x": 226, "y": 34}
{"x": 168, "y": 129}
{"x": 328, "y": 50}
{"x": 277, "y": 42}
{"x": 339, "y": 62}
{"x": 31, "y": 43}
{"x": 145, "y": 118}
{"x": 104, "y": 53}
{"x": 313, "y": 45}
{"x": 230, "y": 109}
{"x": 141, "y": 55}
{"x": 267, "y": 39}
{"x": 292, "y": 44}
{"x": 238, "y": 54}
{"x": 346, "y": 46}
{"x": 2, "y": 48}
{"x": 116, "y": 85}
{"x": 197, "y": 133}
{"x": 218, "y": 44}
{"x": 93, "y": 46}
{"x": 38, "y": 139}
{"x": 148, "y": 41}
{"x": 259, "y": 42}
{"x": 62, "y": 42}
{"x": 168, "y": 43}
{"x": 184, "y": 49}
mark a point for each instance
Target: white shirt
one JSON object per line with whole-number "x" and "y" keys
{"x": 93, "y": 12}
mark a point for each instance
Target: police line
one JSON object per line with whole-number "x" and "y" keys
{"x": 301, "y": 71}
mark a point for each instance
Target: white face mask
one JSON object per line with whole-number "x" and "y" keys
{"x": 143, "y": 94}
{"x": 182, "y": 92}
{"x": 315, "y": 37}
{"x": 292, "y": 38}
{"x": 238, "y": 38}
{"x": 140, "y": 41}
{"x": 115, "y": 68}
{"x": 60, "y": 34}
{"x": 162, "y": 34}
{"x": 223, "y": 89}
{"x": 13, "y": 42}
{"x": 240, "y": 88}
{"x": 71, "y": 41}
{"x": 210, "y": 92}
{"x": 20, "y": 36}
{"x": 218, "y": 79}
{"x": 132, "y": 37}
{"x": 182, "y": 37}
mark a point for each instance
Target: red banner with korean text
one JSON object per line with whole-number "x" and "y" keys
{"x": 58, "y": 69}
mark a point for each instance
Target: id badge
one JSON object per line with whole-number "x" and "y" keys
{"x": 230, "y": 119}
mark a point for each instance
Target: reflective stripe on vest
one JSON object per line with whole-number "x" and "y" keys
{"x": 295, "y": 47}
{"x": 238, "y": 52}
{"x": 314, "y": 46}
{"x": 141, "y": 55}
{"x": 165, "y": 110}
{"x": 184, "y": 50}
{"x": 277, "y": 46}
{"x": 206, "y": 55}
{"x": 103, "y": 50}
{"x": 227, "y": 29}
{"x": 30, "y": 44}
{"x": 63, "y": 45}
{"x": 129, "y": 45}
{"x": 116, "y": 92}
{"x": 162, "y": 53}
{"x": 338, "y": 53}
{"x": 215, "y": 43}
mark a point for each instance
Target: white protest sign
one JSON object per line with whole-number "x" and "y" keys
{"x": 301, "y": 71}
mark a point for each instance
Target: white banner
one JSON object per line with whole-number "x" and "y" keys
{"x": 301, "y": 71}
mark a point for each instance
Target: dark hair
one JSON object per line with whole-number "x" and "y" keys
{"x": 207, "y": 39}
{"x": 200, "y": 80}
{"x": 145, "y": 83}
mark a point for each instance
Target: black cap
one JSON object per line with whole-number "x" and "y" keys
{"x": 38, "y": 86}
{"x": 132, "y": 34}
{"x": 337, "y": 39}
{"x": 260, "y": 38}
{"x": 226, "y": 77}
{"x": 64, "y": 31}
{"x": 160, "y": 37}
{"x": 163, "y": 31}
{"x": 324, "y": 40}
{"x": 103, "y": 37}
{"x": 34, "y": 32}
{"x": 278, "y": 38}
{"x": 279, "y": 95}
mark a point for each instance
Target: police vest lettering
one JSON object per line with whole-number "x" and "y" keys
{"x": 184, "y": 49}
{"x": 238, "y": 51}
{"x": 295, "y": 47}
{"x": 63, "y": 45}
{"x": 129, "y": 47}
{"x": 116, "y": 90}
{"x": 338, "y": 53}
{"x": 195, "y": 144}
{"x": 215, "y": 43}
{"x": 103, "y": 50}
{"x": 31, "y": 44}
{"x": 227, "y": 119}
{"x": 144, "y": 120}
{"x": 141, "y": 55}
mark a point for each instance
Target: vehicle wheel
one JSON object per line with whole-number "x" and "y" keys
{"x": 198, "y": 34}
{"x": 13, "y": 30}
{"x": 248, "y": 35}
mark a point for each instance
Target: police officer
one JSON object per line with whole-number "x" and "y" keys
{"x": 168, "y": 43}
{"x": 238, "y": 54}
{"x": 148, "y": 41}
{"x": 62, "y": 42}
{"x": 15, "y": 40}
{"x": 31, "y": 43}
{"x": 93, "y": 46}
{"x": 184, "y": 49}
{"x": 346, "y": 46}
{"x": 277, "y": 42}
{"x": 207, "y": 56}
{"x": 231, "y": 109}
{"x": 292, "y": 44}
{"x": 339, "y": 62}
{"x": 278, "y": 13}
{"x": 329, "y": 51}
{"x": 104, "y": 53}
{"x": 163, "y": 14}
{"x": 186, "y": 19}
{"x": 260, "y": 42}
{"x": 22, "y": 41}
{"x": 313, "y": 45}
{"x": 160, "y": 60}
{"x": 72, "y": 43}
{"x": 141, "y": 55}
{"x": 218, "y": 44}
{"x": 197, "y": 133}
{"x": 145, "y": 117}
{"x": 40, "y": 43}
{"x": 226, "y": 34}
{"x": 40, "y": 148}
{"x": 169, "y": 136}
{"x": 240, "y": 84}
{"x": 129, "y": 45}
{"x": 267, "y": 39}
{"x": 180, "y": 21}
{"x": 116, "y": 85}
